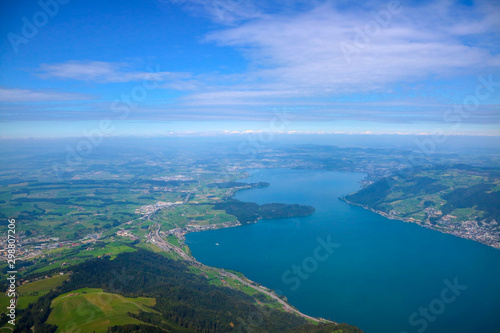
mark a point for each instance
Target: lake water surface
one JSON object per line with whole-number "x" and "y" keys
{"x": 380, "y": 275}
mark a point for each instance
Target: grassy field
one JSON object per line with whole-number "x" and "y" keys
{"x": 183, "y": 215}
{"x": 151, "y": 247}
{"x": 30, "y": 292}
{"x": 61, "y": 258}
{"x": 173, "y": 240}
{"x": 92, "y": 310}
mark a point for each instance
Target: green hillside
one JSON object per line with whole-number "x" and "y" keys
{"x": 92, "y": 310}
{"x": 461, "y": 200}
{"x": 140, "y": 289}
{"x": 30, "y": 292}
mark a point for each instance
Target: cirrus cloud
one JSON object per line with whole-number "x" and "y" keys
{"x": 12, "y": 95}
{"x": 306, "y": 51}
{"x": 104, "y": 72}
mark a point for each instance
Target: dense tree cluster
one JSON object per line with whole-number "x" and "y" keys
{"x": 250, "y": 212}
{"x": 33, "y": 318}
{"x": 479, "y": 196}
{"x": 186, "y": 302}
{"x": 237, "y": 184}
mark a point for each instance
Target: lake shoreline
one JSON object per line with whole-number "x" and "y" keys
{"x": 406, "y": 265}
{"x": 392, "y": 217}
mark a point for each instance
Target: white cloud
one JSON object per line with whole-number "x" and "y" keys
{"x": 24, "y": 95}
{"x": 296, "y": 60}
{"x": 238, "y": 97}
{"x": 104, "y": 72}
{"x": 221, "y": 11}
{"x": 304, "y": 52}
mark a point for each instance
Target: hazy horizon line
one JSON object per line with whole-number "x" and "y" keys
{"x": 248, "y": 132}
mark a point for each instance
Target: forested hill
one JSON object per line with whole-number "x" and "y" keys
{"x": 238, "y": 185}
{"x": 460, "y": 199}
{"x": 185, "y": 301}
{"x": 250, "y": 212}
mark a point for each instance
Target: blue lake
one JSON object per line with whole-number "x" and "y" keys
{"x": 380, "y": 275}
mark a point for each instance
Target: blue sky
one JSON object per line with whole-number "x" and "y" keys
{"x": 168, "y": 67}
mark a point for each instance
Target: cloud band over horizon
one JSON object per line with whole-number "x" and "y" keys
{"x": 341, "y": 66}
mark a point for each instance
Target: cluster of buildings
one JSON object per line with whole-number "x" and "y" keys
{"x": 33, "y": 246}
{"x": 180, "y": 232}
{"x": 176, "y": 177}
{"x": 434, "y": 212}
{"x": 150, "y": 209}
{"x": 471, "y": 229}
{"x": 22, "y": 252}
{"x": 482, "y": 232}
{"x": 125, "y": 233}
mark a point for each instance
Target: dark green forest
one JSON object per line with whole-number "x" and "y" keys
{"x": 250, "y": 212}
{"x": 186, "y": 301}
{"x": 238, "y": 184}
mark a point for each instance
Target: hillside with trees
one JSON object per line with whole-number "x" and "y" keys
{"x": 250, "y": 212}
{"x": 460, "y": 199}
{"x": 185, "y": 301}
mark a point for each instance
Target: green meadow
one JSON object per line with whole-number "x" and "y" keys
{"x": 30, "y": 292}
{"x": 92, "y": 310}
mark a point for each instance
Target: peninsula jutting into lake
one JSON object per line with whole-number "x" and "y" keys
{"x": 371, "y": 258}
{"x": 270, "y": 239}
{"x": 257, "y": 166}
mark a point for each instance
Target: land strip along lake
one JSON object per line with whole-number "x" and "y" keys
{"x": 350, "y": 265}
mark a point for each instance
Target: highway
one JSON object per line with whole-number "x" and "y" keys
{"x": 191, "y": 192}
